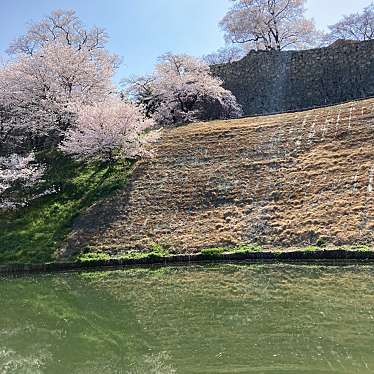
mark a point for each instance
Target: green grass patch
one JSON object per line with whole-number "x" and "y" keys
{"x": 311, "y": 248}
{"x": 358, "y": 248}
{"x": 156, "y": 251}
{"x": 249, "y": 249}
{"x": 213, "y": 251}
{"x": 94, "y": 256}
{"x": 241, "y": 249}
{"x": 33, "y": 233}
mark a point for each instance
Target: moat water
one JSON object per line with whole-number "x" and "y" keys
{"x": 202, "y": 319}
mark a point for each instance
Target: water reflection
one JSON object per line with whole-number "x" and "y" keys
{"x": 153, "y": 364}
{"x": 13, "y": 362}
{"x": 212, "y": 319}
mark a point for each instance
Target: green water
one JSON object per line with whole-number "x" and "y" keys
{"x": 208, "y": 319}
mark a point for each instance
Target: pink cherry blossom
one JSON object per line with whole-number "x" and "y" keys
{"x": 109, "y": 130}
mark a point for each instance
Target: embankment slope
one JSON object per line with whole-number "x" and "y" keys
{"x": 282, "y": 180}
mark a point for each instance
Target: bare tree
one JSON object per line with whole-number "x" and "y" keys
{"x": 357, "y": 26}
{"x": 225, "y": 55}
{"x": 270, "y": 24}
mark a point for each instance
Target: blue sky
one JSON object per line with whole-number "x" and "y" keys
{"x": 141, "y": 30}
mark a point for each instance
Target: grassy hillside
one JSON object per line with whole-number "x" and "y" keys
{"x": 288, "y": 180}
{"x": 33, "y": 233}
{"x": 284, "y": 181}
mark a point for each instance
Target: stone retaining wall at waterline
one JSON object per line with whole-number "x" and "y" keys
{"x": 273, "y": 82}
{"x": 333, "y": 257}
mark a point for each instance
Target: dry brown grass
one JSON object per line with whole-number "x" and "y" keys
{"x": 279, "y": 180}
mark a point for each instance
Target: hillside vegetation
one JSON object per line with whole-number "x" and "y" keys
{"x": 285, "y": 180}
{"x": 289, "y": 180}
{"x": 35, "y": 232}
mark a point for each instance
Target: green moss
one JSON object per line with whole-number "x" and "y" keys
{"x": 32, "y": 234}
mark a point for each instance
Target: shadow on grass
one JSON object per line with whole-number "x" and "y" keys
{"x": 33, "y": 233}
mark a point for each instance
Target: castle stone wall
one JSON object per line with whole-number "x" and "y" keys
{"x": 272, "y": 82}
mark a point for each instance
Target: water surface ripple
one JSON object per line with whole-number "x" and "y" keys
{"x": 202, "y": 319}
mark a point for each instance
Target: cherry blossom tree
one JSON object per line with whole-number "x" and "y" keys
{"x": 37, "y": 92}
{"x": 225, "y": 55}
{"x": 59, "y": 53}
{"x": 107, "y": 131}
{"x": 17, "y": 174}
{"x": 357, "y": 26}
{"x": 269, "y": 24}
{"x": 57, "y": 64}
{"x": 142, "y": 90}
{"x": 64, "y": 27}
{"x": 182, "y": 89}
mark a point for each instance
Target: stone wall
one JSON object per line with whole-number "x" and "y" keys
{"x": 273, "y": 82}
